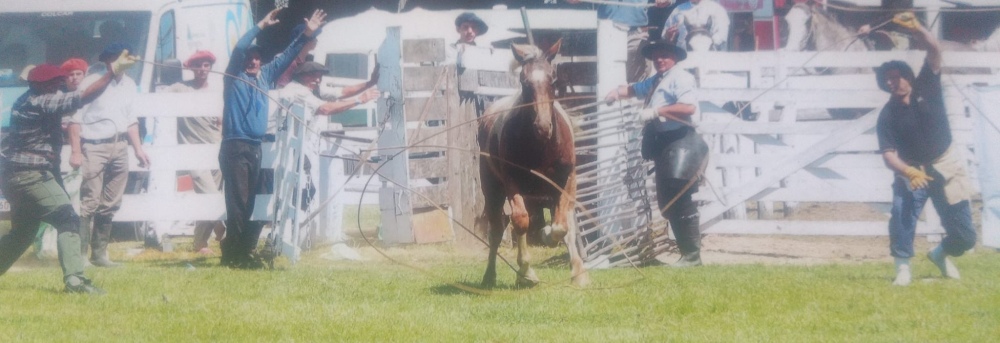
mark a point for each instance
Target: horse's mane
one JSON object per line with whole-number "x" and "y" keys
{"x": 829, "y": 34}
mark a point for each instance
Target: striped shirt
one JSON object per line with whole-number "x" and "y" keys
{"x": 35, "y": 136}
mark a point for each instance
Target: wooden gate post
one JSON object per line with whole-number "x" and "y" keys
{"x": 394, "y": 198}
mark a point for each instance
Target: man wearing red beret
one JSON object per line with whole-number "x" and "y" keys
{"x": 76, "y": 70}
{"x": 201, "y": 130}
{"x": 28, "y": 152}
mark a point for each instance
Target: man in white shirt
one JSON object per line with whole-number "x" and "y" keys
{"x": 707, "y": 16}
{"x": 108, "y": 125}
{"x": 669, "y": 139}
{"x": 301, "y": 91}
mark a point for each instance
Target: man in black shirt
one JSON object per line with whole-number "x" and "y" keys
{"x": 915, "y": 139}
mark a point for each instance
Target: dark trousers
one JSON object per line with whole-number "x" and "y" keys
{"x": 240, "y": 164}
{"x": 906, "y": 207}
{"x": 682, "y": 213}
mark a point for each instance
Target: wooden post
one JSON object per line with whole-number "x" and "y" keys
{"x": 394, "y": 198}
{"x": 463, "y": 166}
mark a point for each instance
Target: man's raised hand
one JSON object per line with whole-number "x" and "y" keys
{"x": 123, "y": 63}
{"x": 270, "y": 19}
{"x": 314, "y": 22}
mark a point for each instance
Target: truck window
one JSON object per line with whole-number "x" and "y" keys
{"x": 53, "y": 37}
{"x": 36, "y": 38}
{"x": 165, "y": 38}
{"x": 348, "y": 65}
{"x": 166, "y": 49}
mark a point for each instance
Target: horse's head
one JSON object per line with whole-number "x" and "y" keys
{"x": 537, "y": 76}
{"x": 699, "y": 38}
{"x": 797, "y": 22}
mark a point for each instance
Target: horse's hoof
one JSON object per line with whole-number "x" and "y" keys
{"x": 528, "y": 280}
{"x": 581, "y": 280}
{"x": 553, "y": 234}
{"x": 488, "y": 284}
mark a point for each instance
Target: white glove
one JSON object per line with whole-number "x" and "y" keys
{"x": 647, "y": 114}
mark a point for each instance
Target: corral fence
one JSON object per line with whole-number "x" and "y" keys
{"x": 807, "y": 135}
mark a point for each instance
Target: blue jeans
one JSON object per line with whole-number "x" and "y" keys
{"x": 907, "y": 204}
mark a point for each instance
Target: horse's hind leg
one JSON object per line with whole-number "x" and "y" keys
{"x": 563, "y": 217}
{"x": 521, "y": 222}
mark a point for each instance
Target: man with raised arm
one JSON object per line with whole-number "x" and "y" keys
{"x": 915, "y": 139}
{"x": 244, "y": 123}
{"x": 107, "y": 127}
{"x": 26, "y": 179}
{"x": 301, "y": 91}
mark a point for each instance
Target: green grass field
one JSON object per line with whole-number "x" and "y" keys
{"x": 157, "y": 297}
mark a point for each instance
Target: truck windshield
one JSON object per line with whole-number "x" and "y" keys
{"x": 28, "y": 39}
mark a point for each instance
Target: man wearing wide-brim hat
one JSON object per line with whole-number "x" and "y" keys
{"x": 469, "y": 27}
{"x": 301, "y": 91}
{"x": 669, "y": 139}
{"x": 28, "y": 152}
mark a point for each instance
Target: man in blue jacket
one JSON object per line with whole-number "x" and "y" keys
{"x": 244, "y": 123}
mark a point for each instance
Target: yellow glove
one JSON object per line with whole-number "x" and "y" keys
{"x": 918, "y": 178}
{"x": 906, "y": 19}
{"x": 123, "y": 63}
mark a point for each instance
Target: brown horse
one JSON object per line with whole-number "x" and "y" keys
{"x": 529, "y": 160}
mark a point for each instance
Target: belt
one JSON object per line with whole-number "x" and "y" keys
{"x": 119, "y": 137}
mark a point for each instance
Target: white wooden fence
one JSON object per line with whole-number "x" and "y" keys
{"x": 163, "y": 204}
{"x": 792, "y": 151}
{"x": 779, "y": 157}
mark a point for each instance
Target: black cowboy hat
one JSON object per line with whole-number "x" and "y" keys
{"x": 470, "y": 17}
{"x": 310, "y": 67}
{"x": 660, "y": 44}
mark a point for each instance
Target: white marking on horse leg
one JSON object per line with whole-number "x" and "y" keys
{"x": 564, "y": 216}
{"x": 519, "y": 214}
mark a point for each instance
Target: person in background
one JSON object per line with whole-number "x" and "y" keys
{"x": 669, "y": 139}
{"x": 244, "y": 123}
{"x": 28, "y": 151}
{"x": 705, "y": 15}
{"x": 107, "y": 127}
{"x": 201, "y": 130}
{"x": 635, "y": 21}
{"x": 469, "y": 27}
{"x": 915, "y": 139}
{"x": 76, "y": 71}
{"x": 301, "y": 91}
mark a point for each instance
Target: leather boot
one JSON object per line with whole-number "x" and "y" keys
{"x": 99, "y": 246}
{"x": 692, "y": 259}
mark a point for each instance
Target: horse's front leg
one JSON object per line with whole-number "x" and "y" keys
{"x": 521, "y": 222}
{"x": 493, "y": 210}
{"x": 563, "y": 217}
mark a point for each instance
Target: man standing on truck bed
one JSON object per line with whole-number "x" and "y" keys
{"x": 28, "y": 152}
{"x": 244, "y": 123}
